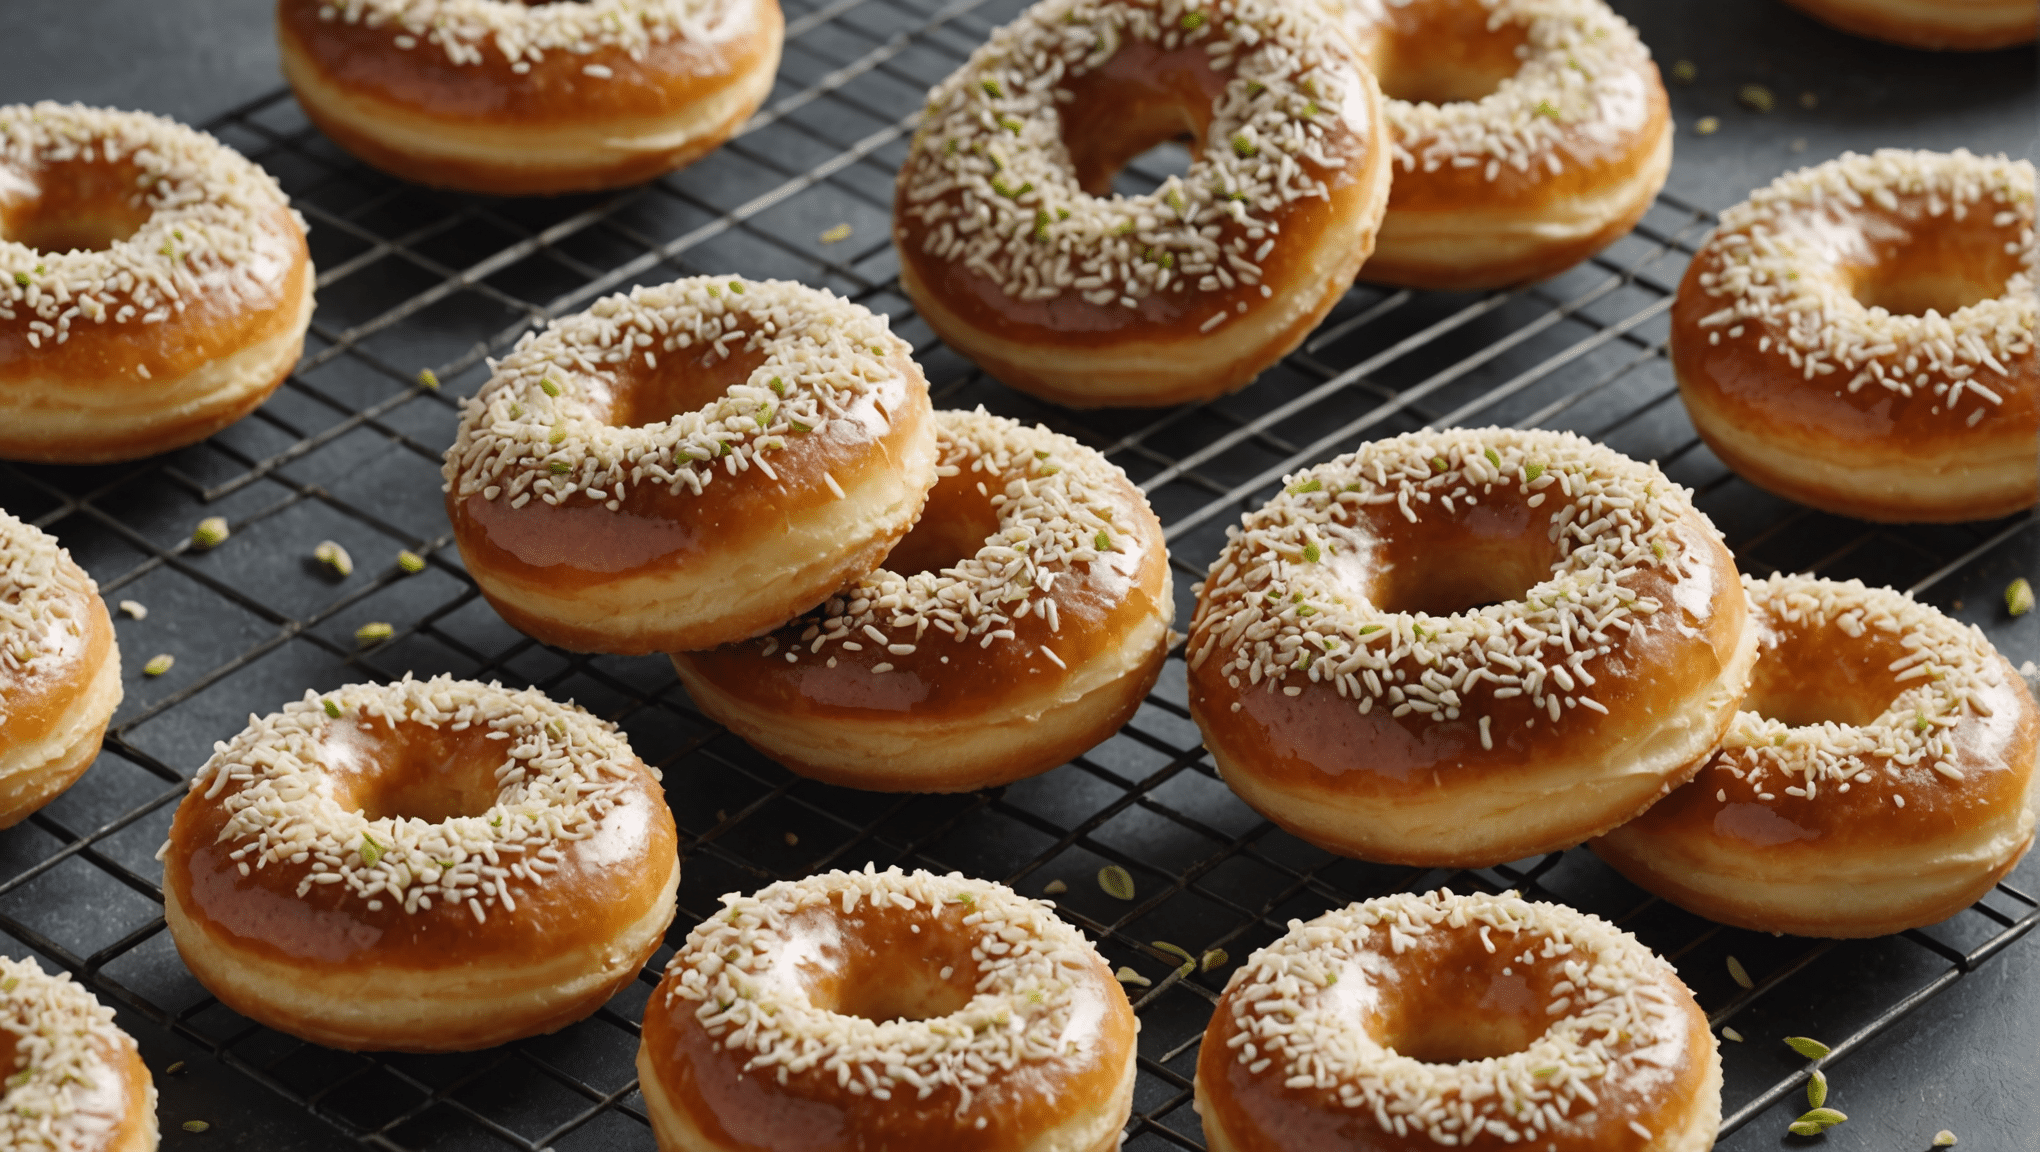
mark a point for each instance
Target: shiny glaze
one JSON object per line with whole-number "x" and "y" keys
{"x": 655, "y": 532}
{"x": 224, "y": 310}
{"x": 670, "y": 77}
{"x": 836, "y": 961}
{"x": 1320, "y": 740}
{"x": 1761, "y": 393}
{"x": 1995, "y": 755}
{"x": 35, "y": 701}
{"x": 1098, "y": 604}
{"x": 605, "y": 882}
{"x": 1596, "y": 154}
{"x": 1436, "y": 994}
{"x": 1140, "y": 96}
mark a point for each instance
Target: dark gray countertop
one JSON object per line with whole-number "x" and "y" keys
{"x": 1969, "y": 1061}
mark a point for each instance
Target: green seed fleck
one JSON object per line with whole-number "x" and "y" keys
{"x": 1244, "y": 146}
{"x": 1944, "y": 1139}
{"x": 1127, "y": 975}
{"x": 332, "y": 708}
{"x": 1806, "y": 1046}
{"x": 992, "y": 88}
{"x": 1012, "y": 124}
{"x": 210, "y": 533}
{"x": 175, "y": 1067}
{"x": 334, "y": 557}
{"x": 428, "y": 378}
{"x": 1311, "y": 555}
{"x": 410, "y": 562}
{"x": 1215, "y": 958}
{"x": 559, "y": 467}
{"x": 1684, "y": 72}
{"x": 1531, "y": 472}
{"x": 1311, "y": 485}
{"x": 196, "y": 1126}
{"x": 1547, "y": 109}
{"x": 548, "y": 387}
{"x": 737, "y": 286}
{"x": 2019, "y": 597}
{"x": 370, "y": 850}
{"x": 1492, "y": 458}
{"x": 1756, "y": 97}
{"x": 1102, "y": 542}
{"x": 1741, "y": 976}
{"x": 1816, "y": 1089}
{"x": 1804, "y": 1128}
{"x": 158, "y": 665}
{"x": 21, "y": 278}
{"x": 1438, "y": 464}
{"x": 1192, "y": 21}
{"x": 373, "y": 633}
{"x": 1054, "y": 888}
{"x": 1116, "y": 882}
{"x": 837, "y": 234}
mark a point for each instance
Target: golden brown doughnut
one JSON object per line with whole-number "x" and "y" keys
{"x": 1859, "y": 336}
{"x": 1458, "y": 648}
{"x": 1528, "y": 135}
{"x": 59, "y": 670}
{"x": 887, "y": 1010}
{"x": 689, "y": 465}
{"x": 74, "y": 1081}
{"x": 1020, "y": 623}
{"x": 154, "y": 285}
{"x": 509, "y": 98}
{"x": 424, "y": 866}
{"x": 1960, "y": 25}
{"x": 1410, "y": 1023}
{"x": 1879, "y": 776}
{"x": 1016, "y": 253}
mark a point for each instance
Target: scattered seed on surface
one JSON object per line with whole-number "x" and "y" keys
{"x": 1707, "y": 125}
{"x": 2019, "y": 597}
{"x": 836, "y": 235}
{"x": 410, "y": 561}
{"x": 1731, "y": 1034}
{"x": 1189, "y": 964}
{"x": 373, "y": 633}
{"x": 1821, "y": 1118}
{"x": 175, "y": 1067}
{"x": 1808, "y": 100}
{"x": 332, "y": 707}
{"x": 210, "y": 533}
{"x": 1685, "y": 72}
{"x": 1741, "y": 976}
{"x": 1799, "y": 143}
{"x": 158, "y": 665}
{"x": 1216, "y": 958}
{"x": 1756, "y": 97}
{"x": 1054, "y": 888}
{"x": 1816, "y": 1089}
{"x": 1944, "y": 1139}
{"x": 1807, "y": 1046}
{"x": 196, "y": 1126}
{"x": 1116, "y": 882}
{"x": 428, "y": 378}
{"x": 334, "y": 557}
{"x": 1129, "y": 976}
{"x": 792, "y": 839}
{"x": 134, "y": 609}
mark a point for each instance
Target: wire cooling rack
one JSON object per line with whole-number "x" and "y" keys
{"x": 349, "y": 450}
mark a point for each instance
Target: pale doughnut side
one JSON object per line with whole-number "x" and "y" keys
{"x": 1947, "y": 25}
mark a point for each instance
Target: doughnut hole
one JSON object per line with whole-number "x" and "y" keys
{"x": 1459, "y": 1002}
{"x": 1805, "y": 676}
{"x": 1492, "y": 553}
{"x": 954, "y": 525}
{"x": 71, "y": 206}
{"x": 874, "y": 965}
{"x": 411, "y": 771}
{"x": 682, "y": 381}
{"x": 1443, "y": 52}
{"x": 1141, "y": 97}
{"x": 1914, "y": 265}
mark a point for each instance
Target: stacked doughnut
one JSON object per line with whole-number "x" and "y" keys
{"x": 723, "y": 462}
{"x": 1515, "y": 138}
{"x": 1459, "y": 648}
{"x": 74, "y": 1080}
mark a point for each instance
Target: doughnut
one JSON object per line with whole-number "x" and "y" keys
{"x": 689, "y": 464}
{"x": 1418, "y": 1022}
{"x": 1551, "y": 623}
{"x": 866, "y": 1010}
{"x": 1960, "y": 25}
{"x": 1016, "y": 252}
{"x": 154, "y": 285}
{"x": 59, "y": 670}
{"x": 1021, "y": 622}
{"x": 509, "y": 98}
{"x": 75, "y": 1082}
{"x": 422, "y": 866}
{"x": 1858, "y": 336}
{"x": 1878, "y": 777}
{"x": 1527, "y": 135}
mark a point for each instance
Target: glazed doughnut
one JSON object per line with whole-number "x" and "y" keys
{"x": 1961, "y": 25}
{"x": 423, "y": 866}
{"x": 59, "y": 670}
{"x": 1458, "y": 648}
{"x": 1528, "y": 135}
{"x": 1021, "y": 622}
{"x": 860, "y": 1010}
{"x": 506, "y": 98}
{"x": 154, "y": 285}
{"x": 1858, "y": 336}
{"x": 74, "y": 1081}
{"x": 1015, "y": 251}
{"x": 689, "y": 464}
{"x": 1414, "y": 1022}
{"x": 1879, "y": 776}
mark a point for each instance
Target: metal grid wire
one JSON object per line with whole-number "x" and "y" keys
{"x": 349, "y": 450}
